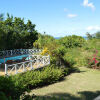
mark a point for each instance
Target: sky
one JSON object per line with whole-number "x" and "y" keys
{"x": 57, "y": 17}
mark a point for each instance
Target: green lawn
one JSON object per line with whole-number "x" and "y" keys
{"x": 77, "y": 86}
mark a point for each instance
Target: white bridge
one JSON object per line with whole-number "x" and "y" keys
{"x": 34, "y": 61}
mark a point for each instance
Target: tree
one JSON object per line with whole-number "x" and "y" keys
{"x": 17, "y": 34}
{"x": 89, "y": 36}
{"x": 1, "y": 17}
{"x": 97, "y": 35}
{"x": 43, "y": 41}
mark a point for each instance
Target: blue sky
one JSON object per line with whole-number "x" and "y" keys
{"x": 57, "y": 17}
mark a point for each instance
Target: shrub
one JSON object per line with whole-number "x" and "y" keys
{"x": 45, "y": 51}
{"x": 4, "y": 97}
{"x": 47, "y": 75}
{"x": 92, "y": 44}
{"x": 43, "y": 41}
{"x": 9, "y": 88}
{"x": 72, "y": 41}
{"x": 14, "y": 86}
{"x": 94, "y": 61}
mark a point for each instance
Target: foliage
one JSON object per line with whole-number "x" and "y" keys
{"x": 43, "y": 41}
{"x": 1, "y": 17}
{"x": 72, "y": 41}
{"x": 4, "y": 97}
{"x": 94, "y": 61}
{"x": 9, "y": 89}
{"x": 92, "y": 45}
{"x": 13, "y": 87}
{"x": 51, "y": 47}
{"x": 89, "y": 36}
{"x": 92, "y": 36}
{"x": 97, "y": 35}
{"x": 15, "y": 34}
{"x": 77, "y": 56}
{"x": 38, "y": 78}
{"x": 45, "y": 51}
{"x": 65, "y": 51}
{"x": 6, "y": 84}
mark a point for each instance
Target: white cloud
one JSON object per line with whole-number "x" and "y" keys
{"x": 93, "y": 28}
{"x": 87, "y": 4}
{"x": 72, "y": 15}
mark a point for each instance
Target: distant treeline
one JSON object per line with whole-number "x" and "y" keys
{"x": 95, "y": 35}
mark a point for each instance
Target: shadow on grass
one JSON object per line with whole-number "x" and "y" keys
{"x": 88, "y": 95}
{"x": 75, "y": 70}
{"x": 85, "y": 95}
{"x": 71, "y": 71}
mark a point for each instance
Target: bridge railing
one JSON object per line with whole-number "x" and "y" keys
{"x": 35, "y": 62}
{"x": 7, "y": 53}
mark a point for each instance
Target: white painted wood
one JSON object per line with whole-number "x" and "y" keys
{"x": 28, "y": 65}
{"x": 19, "y": 52}
{"x": 24, "y": 67}
{"x": 15, "y": 68}
{"x": 6, "y": 69}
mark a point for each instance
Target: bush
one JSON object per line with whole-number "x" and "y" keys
{"x": 4, "y": 97}
{"x": 7, "y": 86}
{"x": 9, "y": 89}
{"x": 36, "y": 78}
{"x": 94, "y": 61}
{"x": 72, "y": 41}
{"x": 92, "y": 44}
{"x": 15, "y": 86}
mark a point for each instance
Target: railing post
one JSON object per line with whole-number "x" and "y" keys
{"x": 43, "y": 60}
{"x": 49, "y": 58}
{"x": 31, "y": 64}
{"x": 6, "y": 69}
{"x": 24, "y": 67}
{"x": 29, "y": 58}
{"x": 11, "y": 52}
{"x": 7, "y": 53}
{"x": 38, "y": 61}
{"x": 15, "y": 68}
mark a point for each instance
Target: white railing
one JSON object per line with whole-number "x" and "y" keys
{"x": 35, "y": 62}
{"x": 7, "y": 53}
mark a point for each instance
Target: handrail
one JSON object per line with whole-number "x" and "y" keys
{"x": 39, "y": 60}
{"x": 7, "y": 53}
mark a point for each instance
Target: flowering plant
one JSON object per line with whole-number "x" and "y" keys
{"x": 95, "y": 60}
{"x": 45, "y": 51}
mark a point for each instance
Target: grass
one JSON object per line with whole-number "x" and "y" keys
{"x": 84, "y": 85}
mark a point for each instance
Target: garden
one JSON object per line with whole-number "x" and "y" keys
{"x": 72, "y": 58}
